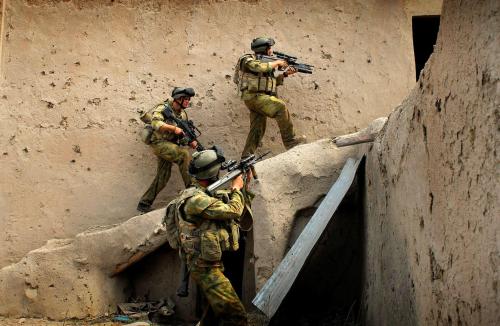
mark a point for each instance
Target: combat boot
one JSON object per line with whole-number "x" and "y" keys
{"x": 144, "y": 208}
{"x": 297, "y": 140}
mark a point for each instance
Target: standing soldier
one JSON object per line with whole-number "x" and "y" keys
{"x": 206, "y": 228}
{"x": 258, "y": 84}
{"x": 165, "y": 142}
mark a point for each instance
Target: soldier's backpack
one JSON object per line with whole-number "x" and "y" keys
{"x": 147, "y": 130}
{"x": 171, "y": 218}
{"x": 238, "y": 71}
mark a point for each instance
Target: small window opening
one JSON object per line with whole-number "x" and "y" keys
{"x": 425, "y": 31}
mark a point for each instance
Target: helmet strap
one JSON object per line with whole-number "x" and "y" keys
{"x": 179, "y": 101}
{"x": 182, "y": 102}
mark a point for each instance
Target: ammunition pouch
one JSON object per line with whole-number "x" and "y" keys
{"x": 210, "y": 246}
{"x": 258, "y": 83}
{"x": 234, "y": 236}
{"x": 189, "y": 238}
{"x": 218, "y": 239}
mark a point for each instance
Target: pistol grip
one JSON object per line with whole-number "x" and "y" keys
{"x": 255, "y": 176}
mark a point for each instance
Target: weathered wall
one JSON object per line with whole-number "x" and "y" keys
{"x": 69, "y": 278}
{"x": 74, "y": 72}
{"x": 432, "y": 227}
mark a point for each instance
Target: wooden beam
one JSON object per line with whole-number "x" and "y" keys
{"x": 348, "y": 140}
{"x": 277, "y": 286}
{"x": 365, "y": 135}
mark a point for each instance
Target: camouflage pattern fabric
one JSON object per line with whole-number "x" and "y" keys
{"x": 224, "y": 303}
{"x": 167, "y": 154}
{"x": 159, "y": 120}
{"x": 204, "y": 211}
{"x": 206, "y": 214}
{"x": 263, "y": 105}
{"x": 257, "y": 76}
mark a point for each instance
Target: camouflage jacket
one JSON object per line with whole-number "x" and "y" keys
{"x": 158, "y": 120}
{"x": 209, "y": 225}
{"x": 257, "y": 76}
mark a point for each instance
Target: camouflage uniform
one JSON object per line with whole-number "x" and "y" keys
{"x": 258, "y": 90}
{"x": 206, "y": 215}
{"x": 167, "y": 148}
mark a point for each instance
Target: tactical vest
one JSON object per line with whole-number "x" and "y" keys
{"x": 251, "y": 81}
{"x": 198, "y": 237}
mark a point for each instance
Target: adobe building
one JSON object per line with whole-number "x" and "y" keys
{"x": 414, "y": 241}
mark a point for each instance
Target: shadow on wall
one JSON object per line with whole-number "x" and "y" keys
{"x": 157, "y": 277}
{"x": 327, "y": 289}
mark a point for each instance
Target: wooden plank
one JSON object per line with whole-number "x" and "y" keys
{"x": 277, "y": 286}
{"x": 365, "y": 135}
{"x": 349, "y": 140}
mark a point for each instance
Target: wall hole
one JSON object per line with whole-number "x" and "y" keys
{"x": 425, "y": 31}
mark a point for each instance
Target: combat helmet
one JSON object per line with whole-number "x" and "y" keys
{"x": 260, "y": 44}
{"x": 206, "y": 164}
{"x": 179, "y": 92}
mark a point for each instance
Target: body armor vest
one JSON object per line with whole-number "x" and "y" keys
{"x": 255, "y": 82}
{"x": 195, "y": 236}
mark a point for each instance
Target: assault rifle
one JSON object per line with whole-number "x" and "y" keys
{"x": 191, "y": 133}
{"x": 291, "y": 60}
{"x": 234, "y": 169}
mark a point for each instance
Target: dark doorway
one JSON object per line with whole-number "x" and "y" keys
{"x": 327, "y": 290}
{"x": 425, "y": 31}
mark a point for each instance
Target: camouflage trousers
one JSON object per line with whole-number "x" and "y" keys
{"x": 226, "y": 308}
{"x": 261, "y": 107}
{"x": 167, "y": 154}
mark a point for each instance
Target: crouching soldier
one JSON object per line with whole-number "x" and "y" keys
{"x": 166, "y": 143}
{"x": 207, "y": 226}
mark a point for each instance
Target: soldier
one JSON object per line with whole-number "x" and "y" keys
{"x": 206, "y": 229}
{"x": 258, "y": 84}
{"x": 165, "y": 143}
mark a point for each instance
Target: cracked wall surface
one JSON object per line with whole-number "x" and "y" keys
{"x": 432, "y": 227}
{"x": 74, "y": 73}
{"x": 71, "y": 278}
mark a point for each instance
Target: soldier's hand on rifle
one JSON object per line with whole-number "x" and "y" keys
{"x": 178, "y": 131}
{"x": 193, "y": 144}
{"x": 282, "y": 64}
{"x": 237, "y": 182}
{"x": 290, "y": 71}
